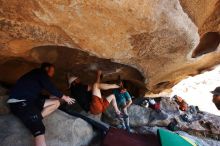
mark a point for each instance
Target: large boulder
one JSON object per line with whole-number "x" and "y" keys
{"x": 61, "y": 130}
{"x": 139, "y": 116}
{"x": 155, "y": 37}
{"x": 197, "y": 123}
{"x": 170, "y": 106}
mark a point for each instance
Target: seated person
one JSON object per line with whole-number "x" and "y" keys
{"x": 216, "y": 97}
{"x": 123, "y": 99}
{"x": 90, "y": 98}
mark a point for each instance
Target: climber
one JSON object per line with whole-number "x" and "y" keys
{"x": 124, "y": 100}
{"x": 26, "y": 103}
{"x": 89, "y": 96}
{"x": 216, "y": 97}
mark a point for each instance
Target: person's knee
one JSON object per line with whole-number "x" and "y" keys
{"x": 40, "y": 140}
{"x": 112, "y": 96}
{"x": 40, "y": 131}
{"x": 56, "y": 103}
{"x": 96, "y": 85}
{"x": 36, "y": 126}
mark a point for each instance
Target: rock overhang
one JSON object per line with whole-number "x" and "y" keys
{"x": 155, "y": 37}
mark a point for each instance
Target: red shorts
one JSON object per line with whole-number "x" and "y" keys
{"x": 98, "y": 105}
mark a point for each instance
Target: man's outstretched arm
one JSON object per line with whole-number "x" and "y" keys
{"x": 48, "y": 85}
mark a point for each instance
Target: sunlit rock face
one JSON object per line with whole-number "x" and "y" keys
{"x": 205, "y": 14}
{"x": 156, "y": 37}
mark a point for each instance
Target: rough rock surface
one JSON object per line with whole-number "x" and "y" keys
{"x": 150, "y": 36}
{"x": 3, "y": 98}
{"x": 139, "y": 116}
{"x": 65, "y": 130}
{"x": 204, "y": 14}
{"x": 3, "y": 106}
{"x": 61, "y": 130}
{"x": 201, "y": 123}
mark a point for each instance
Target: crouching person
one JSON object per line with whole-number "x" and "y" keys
{"x": 29, "y": 107}
{"x": 124, "y": 100}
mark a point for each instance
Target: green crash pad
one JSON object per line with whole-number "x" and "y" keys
{"x": 168, "y": 138}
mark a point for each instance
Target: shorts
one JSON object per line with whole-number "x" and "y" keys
{"x": 98, "y": 105}
{"x": 30, "y": 116}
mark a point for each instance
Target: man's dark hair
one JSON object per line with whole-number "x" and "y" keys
{"x": 45, "y": 65}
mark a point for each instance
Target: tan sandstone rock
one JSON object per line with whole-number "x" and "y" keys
{"x": 61, "y": 130}
{"x": 156, "y": 37}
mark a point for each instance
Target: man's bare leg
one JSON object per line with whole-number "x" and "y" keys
{"x": 103, "y": 86}
{"x": 126, "y": 120}
{"x": 40, "y": 140}
{"x": 97, "y": 87}
{"x": 50, "y": 106}
{"x": 100, "y": 86}
{"x": 111, "y": 99}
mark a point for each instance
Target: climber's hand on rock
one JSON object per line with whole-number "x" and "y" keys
{"x": 68, "y": 99}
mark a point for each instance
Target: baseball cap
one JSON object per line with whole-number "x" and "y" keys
{"x": 216, "y": 91}
{"x": 71, "y": 80}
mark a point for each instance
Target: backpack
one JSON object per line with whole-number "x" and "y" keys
{"x": 183, "y": 106}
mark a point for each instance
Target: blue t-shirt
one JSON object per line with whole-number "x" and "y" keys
{"x": 121, "y": 98}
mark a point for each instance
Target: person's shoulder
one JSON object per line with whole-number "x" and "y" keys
{"x": 29, "y": 74}
{"x": 35, "y": 71}
{"x": 127, "y": 93}
{"x": 38, "y": 74}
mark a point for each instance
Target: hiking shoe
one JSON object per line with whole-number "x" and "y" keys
{"x": 121, "y": 126}
{"x": 121, "y": 115}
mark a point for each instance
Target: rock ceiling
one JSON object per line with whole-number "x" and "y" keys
{"x": 165, "y": 40}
